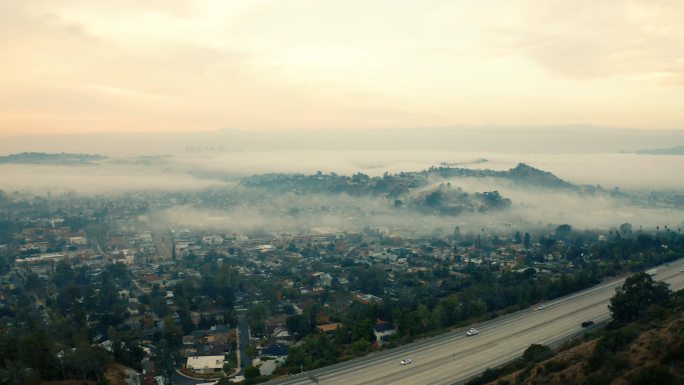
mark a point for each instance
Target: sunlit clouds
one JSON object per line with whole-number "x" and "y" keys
{"x": 153, "y": 66}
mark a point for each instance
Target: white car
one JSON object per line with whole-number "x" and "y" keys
{"x": 541, "y": 307}
{"x": 405, "y": 361}
{"x": 471, "y": 332}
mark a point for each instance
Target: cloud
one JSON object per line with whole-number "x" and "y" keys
{"x": 532, "y": 209}
{"x": 212, "y": 179}
{"x": 97, "y": 179}
{"x": 294, "y": 154}
{"x": 120, "y": 66}
{"x": 587, "y": 39}
{"x": 610, "y": 170}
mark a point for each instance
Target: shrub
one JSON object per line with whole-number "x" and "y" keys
{"x": 537, "y": 353}
{"x": 657, "y": 374}
{"x": 555, "y": 366}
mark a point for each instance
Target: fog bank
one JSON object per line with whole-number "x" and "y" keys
{"x": 529, "y": 140}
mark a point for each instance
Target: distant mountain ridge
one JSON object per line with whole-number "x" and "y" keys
{"x": 50, "y": 159}
{"x": 677, "y": 150}
{"x": 570, "y": 139}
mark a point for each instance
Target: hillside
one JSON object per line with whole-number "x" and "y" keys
{"x": 522, "y": 174}
{"x": 397, "y": 184}
{"x": 525, "y": 174}
{"x": 50, "y": 159}
{"x": 647, "y": 351}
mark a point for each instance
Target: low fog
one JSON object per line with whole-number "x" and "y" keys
{"x": 196, "y": 171}
{"x": 104, "y": 179}
{"x": 193, "y": 172}
{"x": 326, "y": 213}
{"x": 579, "y": 139}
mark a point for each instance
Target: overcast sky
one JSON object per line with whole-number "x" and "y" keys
{"x": 70, "y": 66}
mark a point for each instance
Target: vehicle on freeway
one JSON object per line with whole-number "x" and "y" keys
{"x": 471, "y": 332}
{"x": 541, "y": 307}
{"x": 587, "y": 323}
{"x": 405, "y": 361}
{"x": 681, "y": 270}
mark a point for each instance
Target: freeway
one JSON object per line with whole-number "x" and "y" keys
{"x": 453, "y": 357}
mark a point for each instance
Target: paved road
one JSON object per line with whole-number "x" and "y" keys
{"x": 243, "y": 343}
{"x": 453, "y": 357}
{"x": 179, "y": 379}
{"x": 161, "y": 235}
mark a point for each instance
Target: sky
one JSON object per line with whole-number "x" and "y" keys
{"x": 80, "y": 66}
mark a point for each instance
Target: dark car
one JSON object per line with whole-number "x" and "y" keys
{"x": 587, "y": 323}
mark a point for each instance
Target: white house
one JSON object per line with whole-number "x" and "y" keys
{"x": 212, "y": 239}
{"x": 78, "y": 241}
{"x": 205, "y": 364}
{"x": 382, "y": 330}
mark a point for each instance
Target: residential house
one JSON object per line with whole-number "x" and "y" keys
{"x": 328, "y": 328}
{"x": 382, "y": 330}
{"x": 205, "y": 364}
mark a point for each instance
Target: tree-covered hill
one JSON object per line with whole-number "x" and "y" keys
{"x": 394, "y": 185}
{"x": 428, "y": 191}
{"x": 50, "y": 159}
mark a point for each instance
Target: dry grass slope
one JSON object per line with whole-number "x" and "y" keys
{"x": 647, "y": 352}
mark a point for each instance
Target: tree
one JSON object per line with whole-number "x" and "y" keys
{"x": 635, "y": 296}
{"x": 494, "y": 200}
{"x": 526, "y": 240}
{"x": 626, "y": 228}
{"x": 297, "y": 324}
{"x": 173, "y": 332}
{"x": 434, "y": 199}
{"x": 362, "y": 330}
{"x": 35, "y": 350}
{"x": 252, "y": 372}
{"x": 315, "y": 351}
{"x": 537, "y": 353}
{"x": 563, "y": 231}
{"x": 255, "y": 317}
{"x": 63, "y": 274}
{"x": 87, "y": 362}
{"x": 653, "y": 374}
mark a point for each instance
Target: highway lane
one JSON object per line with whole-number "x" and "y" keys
{"x": 453, "y": 357}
